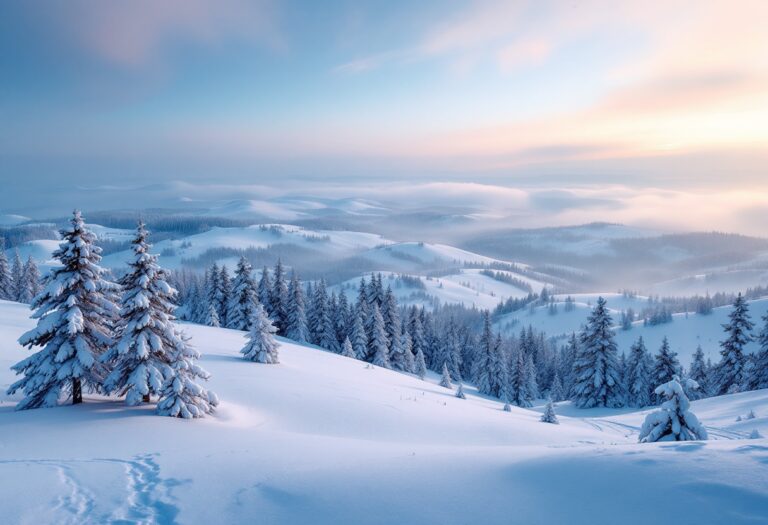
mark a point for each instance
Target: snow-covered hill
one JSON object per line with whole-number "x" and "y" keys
{"x": 325, "y": 439}
{"x": 685, "y": 332}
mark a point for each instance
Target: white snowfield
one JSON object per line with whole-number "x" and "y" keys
{"x": 321, "y": 439}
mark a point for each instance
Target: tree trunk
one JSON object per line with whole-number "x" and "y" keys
{"x": 77, "y": 391}
{"x": 145, "y": 398}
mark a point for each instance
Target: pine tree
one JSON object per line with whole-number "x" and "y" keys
{"x": 31, "y": 282}
{"x": 530, "y": 377}
{"x": 549, "y": 415}
{"x": 517, "y": 387}
{"x": 279, "y": 299}
{"x": 674, "y": 422}
{"x": 264, "y": 292}
{"x": 181, "y": 395}
{"x": 145, "y": 337}
{"x": 638, "y": 376}
{"x": 666, "y": 365}
{"x": 243, "y": 299}
{"x": 378, "y": 343}
{"x": 261, "y": 346}
{"x": 346, "y": 349}
{"x": 761, "y": 359}
{"x": 212, "y": 291}
{"x": 223, "y": 294}
{"x": 556, "y": 389}
{"x": 296, "y": 322}
{"x": 212, "y": 319}
{"x": 359, "y": 338}
{"x": 731, "y": 367}
{"x": 596, "y": 365}
{"x": 17, "y": 276}
{"x": 391, "y": 315}
{"x": 445, "y": 380}
{"x": 420, "y": 366}
{"x": 490, "y": 369}
{"x": 460, "y": 391}
{"x": 406, "y": 346}
{"x": 75, "y": 314}
{"x": 698, "y": 372}
{"x": 317, "y": 317}
{"x": 6, "y": 282}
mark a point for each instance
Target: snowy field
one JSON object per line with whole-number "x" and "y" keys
{"x": 324, "y": 439}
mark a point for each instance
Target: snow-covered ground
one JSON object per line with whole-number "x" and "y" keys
{"x": 325, "y": 439}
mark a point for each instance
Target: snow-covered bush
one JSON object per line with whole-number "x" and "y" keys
{"x": 261, "y": 346}
{"x": 674, "y": 421}
{"x": 460, "y": 392}
{"x": 549, "y": 415}
{"x": 445, "y": 381}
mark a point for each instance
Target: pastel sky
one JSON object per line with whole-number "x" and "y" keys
{"x": 668, "y": 94}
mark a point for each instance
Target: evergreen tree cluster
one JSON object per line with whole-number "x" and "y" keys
{"x": 19, "y": 281}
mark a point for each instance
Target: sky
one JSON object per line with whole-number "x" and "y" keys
{"x": 582, "y": 97}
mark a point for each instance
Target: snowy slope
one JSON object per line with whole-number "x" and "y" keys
{"x": 324, "y": 439}
{"x": 406, "y": 256}
{"x": 466, "y": 286}
{"x": 685, "y": 333}
{"x": 335, "y": 244}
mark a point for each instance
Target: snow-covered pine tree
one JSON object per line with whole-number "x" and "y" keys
{"x": 264, "y": 291}
{"x": 761, "y": 359}
{"x": 674, "y": 422}
{"x": 638, "y": 375}
{"x": 317, "y": 316}
{"x": 445, "y": 380}
{"x": 17, "y": 276}
{"x": 549, "y": 415}
{"x": 489, "y": 367}
{"x": 416, "y": 330}
{"x": 279, "y": 299}
{"x": 596, "y": 382}
{"x": 517, "y": 387}
{"x": 145, "y": 336}
{"x": 243, "y": 298}
{"x": 406, "y": 346}
{"x": 212, "y": 317}
{"x": 730, "y": 370}
{"x": 391, "y": 314}
{"x": 6, "y": 282}
{"x": 261, "y": 346}
{"x": 460, "y": 391}
{"x": 31, "y": 285}
{"x": 182, "y": 396}
{"x": 665, "y": 366}
{"x": 296, "y": 322}
{"x": 223, "y": 294}
{"x": 328, "y": 335}
{"x": 346, "y": 349}
{"x": 359, "y": 337}
{"x": 530, "y": 377}
{"x": 698, "y": 372}
{"x": 378, "y": 344}
{"x": 420, "y": 364}
{"x": 556, "y": 389}
{"x": 75, "y": 314}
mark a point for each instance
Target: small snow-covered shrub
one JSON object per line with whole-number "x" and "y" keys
{"x": 674, "y": 421}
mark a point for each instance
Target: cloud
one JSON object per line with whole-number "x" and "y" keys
{"x": 137, "y": 33}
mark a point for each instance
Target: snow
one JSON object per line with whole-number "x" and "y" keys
{"x": 325, "y": 439}
{"x": 406, "y": 256}
{"x": 40, "y": 250}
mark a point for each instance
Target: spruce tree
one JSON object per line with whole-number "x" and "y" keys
{"x": 17, "y": 276}
{"x": 346, "y": 349}
{"x": 638, "y": 376}
{"x": 223, "y": 294}
{"x": 279, "y": 299}
{"x": 31, "y": 282}
{"x": 460, "y": 391}
{"x": 243, "y": 298}
{"x": 261, "y": 346}
{"x": 698, "y": 372}
{"x": 408, "y": 363}
{"x": 6, "y": 282}
{"x": 445, "y": 380}
{"x": 75, "y": 314}
{"x": 549, "y": 415}
{"x": 296, "y": 322}
{"x": 359, "y": 338}
{"x": 556, "y": 389}
{"x": 378, "y": 344}
{"x": 145, "y": 336}
{"x": 665, "y": 366}
{"x": 264, "y": 291}
{"x": 674, "y": 422}
{"x": 490, "y": 369}
{"x": 182, "y": 396}
{"x": 761, "y": 359}
{"x": 420, "y": 365}
{"x": 596, "y": 382}
{"x": 517, "y": 388}
{"x": 731, "y": 367}
{"x": 530, "y": 377}
{"x": 212, "y": 317}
